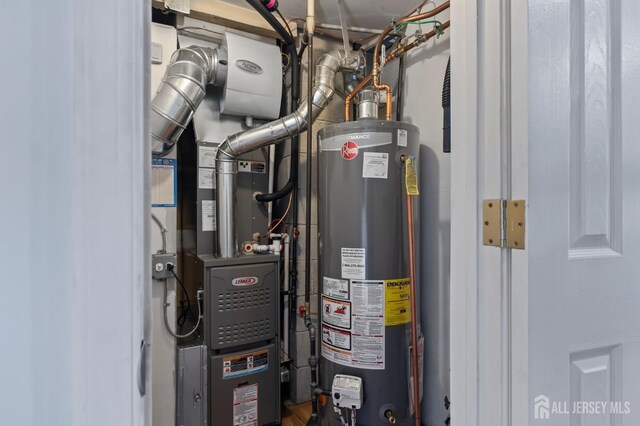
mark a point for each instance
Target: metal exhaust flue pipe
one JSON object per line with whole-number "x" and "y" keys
{"x": 183, "y": 87}
{"x": 250, "y": 140}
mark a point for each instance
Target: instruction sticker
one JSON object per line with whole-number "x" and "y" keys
{"x": 207, "y": 156}
{"x": 353, "y": 263}
{"x": 206, "y": 179}
{"x": 245, "y": 405}
{"x": 208, "y": 215}
{"x": 336, "y": 288}
{"x": 367, "y": 332}
{"x": 402, "y": 137}
{"x": 375, "y": 165}
{"x": 337, "y": 338}
{"x": 336, "y": 312}
{"x": 368, "y": 352}
{"x": 245, "y": 364}
{"x": 368, "y": 297}
{"x": 397, "y": 302}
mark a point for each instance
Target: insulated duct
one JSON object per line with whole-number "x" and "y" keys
{"x": 295, "y": 123}
{"x": 183, "y": 87}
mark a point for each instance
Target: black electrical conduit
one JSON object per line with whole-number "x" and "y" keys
{"x": 290, "y": 45}
{"x": 446, "y": 106}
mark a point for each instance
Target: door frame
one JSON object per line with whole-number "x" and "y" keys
{"x": 489, "y": 286}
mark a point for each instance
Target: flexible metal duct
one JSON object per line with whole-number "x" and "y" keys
{"x": 189, "y": 72}
{"x": 297, "y": 122}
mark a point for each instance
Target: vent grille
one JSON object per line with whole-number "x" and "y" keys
{"x": 240, "y": 332}
{"x": 243, "y": 299}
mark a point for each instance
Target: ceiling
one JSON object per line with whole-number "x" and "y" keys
{"x": 375, "y": 14}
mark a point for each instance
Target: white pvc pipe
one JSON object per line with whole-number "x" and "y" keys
{"x": 352, "y": 29}
{"x": 311, "y": 16}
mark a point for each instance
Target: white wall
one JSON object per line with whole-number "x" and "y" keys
{"x": 163, "y": 353}
{"x": 422, "y": 107}
{"x": 73, "y": 250}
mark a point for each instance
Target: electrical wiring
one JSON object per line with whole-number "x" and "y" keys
{"x": 163, "y": 231}
{"x": 166, "y": 317}
{"x": 282, "y": 218}
{"x": 286, "y": 23}
{"x": 183, "y": 317}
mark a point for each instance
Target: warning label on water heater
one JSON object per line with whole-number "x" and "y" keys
{"x": 335, "y": 288}
{"x": 336, "y": 312}
{"x": 353, "y": 263}
{"x": 375, "y": 165}
{"x": 361, "y": 344}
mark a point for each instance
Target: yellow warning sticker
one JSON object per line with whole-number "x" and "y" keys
{"x": 397, "y": 297}
{"x": 411, "y": 177}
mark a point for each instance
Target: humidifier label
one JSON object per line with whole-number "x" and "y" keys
{"x": 336, "y": 312}
{"x": 245, "y": 405}
{"x": 335, "y": 288}
{"x": 245, "y": 364}
{"x": 397, "y": 302}
{"x": 402, "y": 137}
{"x": 375, "y": 165}
{"x": 353, "y": 263}
{"x": 336, "y": 338}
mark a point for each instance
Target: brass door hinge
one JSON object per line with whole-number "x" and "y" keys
{"x": 504, "y": 223}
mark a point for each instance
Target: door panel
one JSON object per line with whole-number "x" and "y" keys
{"x": 584, "y": 205}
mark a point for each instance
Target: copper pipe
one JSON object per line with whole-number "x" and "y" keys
{"x": 347, "y": 100}
{"x": 376, "y": 52}
{"x": 414, "y": 321}
{"x": 393, "y": 55}
{"x": 415, "y": 368}
{"x": 417, "y": 42}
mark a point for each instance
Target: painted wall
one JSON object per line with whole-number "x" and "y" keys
{"x": 163, "y": 370}
{"x": 423, "y": 90}
{"x": 73, "y": 191}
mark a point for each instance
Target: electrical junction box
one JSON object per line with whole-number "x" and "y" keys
{"x": 347, "y": 391}
{"x": 160, "y": 263}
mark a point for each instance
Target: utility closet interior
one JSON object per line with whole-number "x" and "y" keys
{"x": 301, "y": 212}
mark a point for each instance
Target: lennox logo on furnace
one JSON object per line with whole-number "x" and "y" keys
{"x": 243, "y": 281}
{"x": 349, "y": 150}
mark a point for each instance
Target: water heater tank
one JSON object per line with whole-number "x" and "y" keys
{"x": 364, "y": 301}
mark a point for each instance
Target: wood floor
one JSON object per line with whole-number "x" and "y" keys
{"x": 296, "y": 415}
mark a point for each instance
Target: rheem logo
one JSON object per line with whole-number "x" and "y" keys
{"x": 244, "y": 281}
{"x": 349, "y": 150}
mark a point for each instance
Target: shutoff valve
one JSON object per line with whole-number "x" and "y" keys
{"x": 347, "y": 391}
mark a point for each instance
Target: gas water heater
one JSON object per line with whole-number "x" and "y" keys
{"x": 364, "y": 302}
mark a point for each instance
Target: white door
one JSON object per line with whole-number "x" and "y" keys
{"x": 546, "y": 107}
{"x": 584, "y": 212}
